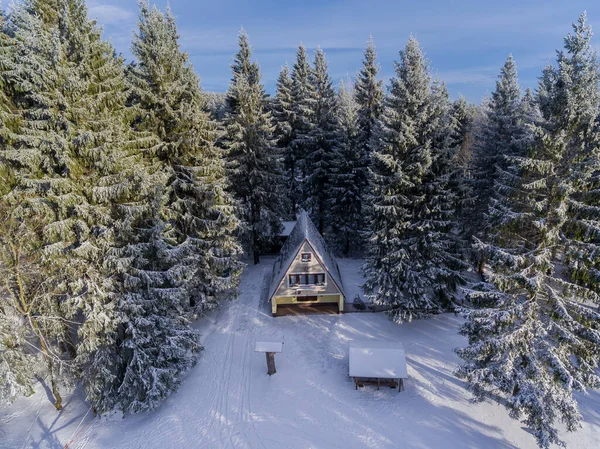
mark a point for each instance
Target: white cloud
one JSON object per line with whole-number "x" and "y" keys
{"x": 108, "y": 14}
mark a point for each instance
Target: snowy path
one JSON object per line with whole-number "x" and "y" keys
{"x": 228, "y": 400}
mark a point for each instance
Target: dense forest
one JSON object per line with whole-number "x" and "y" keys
{"x": 129, "y": 197}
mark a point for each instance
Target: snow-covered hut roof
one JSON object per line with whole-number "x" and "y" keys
{"x": 304, "y": 230}
{"x": 377, "y": 359}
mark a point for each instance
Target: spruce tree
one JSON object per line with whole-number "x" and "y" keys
{"x": 412, "y": 267}
{"x": 68, "y": 162}
{"x": 183, "y": 259}
{"x": 254, "y": 164}
{"x": 533, "y": 338}
{"x": 321, "y": 143}
{"x": 302, "y": 122}
{"x": 284, "y": 133}
{"x": 348, "y": 179}
{"x": 463, "y": 115}
{"x": 501, "y": 135}
{"x": 369, "y": 97}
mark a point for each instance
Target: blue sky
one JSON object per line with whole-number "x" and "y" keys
{"x": 466, "y": 42}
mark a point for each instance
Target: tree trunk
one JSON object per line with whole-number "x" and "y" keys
{"x": 55, "y": 392}
{"x": 270, "y": 363}
{"x": 48, "y": 356}
{"x": 481, "y": 265}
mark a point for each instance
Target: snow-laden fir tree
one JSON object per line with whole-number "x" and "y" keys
{"x": 254, "y": 171}
{"x": 67, "y": 158}
{"x": 369, "y": 95}
{"x": 534, "y": 333}
{"x": 184, "y": 259}
{"x": 302, "y": 122}
{"x": 348, "y": 179}
{"x": 412, "y": 267}
{"x": 17, "y": 362}
{"x": 501, "y": 134}
{"x": 284, "y": 133}
{"x": 321, "y": 142}
{"x": 242, "y": 66}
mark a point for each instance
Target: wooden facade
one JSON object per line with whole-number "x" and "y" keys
{"x": 306, "y": 272}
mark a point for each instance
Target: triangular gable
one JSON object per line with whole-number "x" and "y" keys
{"x": 304, "y": 231}
{"x": 285, "y": 270}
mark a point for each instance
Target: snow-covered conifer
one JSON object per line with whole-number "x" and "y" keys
{"x": 284, "y": 132}
{"x": 303, "y": 96}
{"x": 321, "y": 141}
{"x": 68, "y": 159}
{"x": 534, "y": 338}
{"x": 369, "y": 96}
{"x": 254, "y": 164}
{"x": 501, "y": 134}
{"x": 184, "y": 258}
{"x": 412, "y": 267}
{"x": 348, "y": 179}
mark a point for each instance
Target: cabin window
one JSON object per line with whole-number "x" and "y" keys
{"x": 306, "y": 257}
{"x": 306, "y": 279}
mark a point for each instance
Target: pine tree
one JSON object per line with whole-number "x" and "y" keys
{"x": 254, "y": 171}
{"x": 369, "y": 97}
{"x": 348, "y": 179}
{"x": 502, "y": 134}
{"x": 321, "y": 143}
{"x": 17, "y": 363}
{"x": 411, "y": 266}
{"x": 242, "y": 67}
{"x": 284, "y": 132}
{"x": 67, "y": 158}
{"x": 463, "y": 115}
{"x": 303, "y": 97}
{"x": 180, "y": 257}
{"x": 533, "y": 337}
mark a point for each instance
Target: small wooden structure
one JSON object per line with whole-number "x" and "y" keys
{"x": 269, "y": 348}
{"x": 305, "y": 273}
{"x": 377, "y": 363}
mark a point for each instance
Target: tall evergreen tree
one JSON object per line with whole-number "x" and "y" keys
{"x": 503, "y": 133}
{"x": 284, "y": 132}
{"x": 255, "y": 171}
{"x": 463, "y": 115}
{"x": 302, "y": 122}
{"x": 348, "y": 179}
{"x": 411, "y": 266}
{"x": 242, "y": 67}
{"x": 321, "y": 143}
{"x": 69, "y": 165}
{"x": 185, "y": 256}
{"x": 533, "y": 337}
{"x": 369, "y": 96}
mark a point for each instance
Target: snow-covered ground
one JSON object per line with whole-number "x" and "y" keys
{"x": 229, "y": 401}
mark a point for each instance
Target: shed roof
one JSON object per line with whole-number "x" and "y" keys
{"x": 304, "y": 230}
{"x": 379, "y": 359}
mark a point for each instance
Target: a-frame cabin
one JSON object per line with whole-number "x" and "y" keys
{"x": 305, "y": 273}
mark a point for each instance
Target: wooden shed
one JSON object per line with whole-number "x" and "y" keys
{"x": 378, "y": 363}
{"x": 306, "y": 273}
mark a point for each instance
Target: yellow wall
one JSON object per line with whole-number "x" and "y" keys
{"x": 321, "y": 299}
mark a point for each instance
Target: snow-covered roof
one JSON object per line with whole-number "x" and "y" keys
{"x": 379, "y": 359}
{"x": 288, "y": 226}
{"x": 304, "y": 230}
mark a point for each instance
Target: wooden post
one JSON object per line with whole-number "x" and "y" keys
{"x": 271, "y": 363}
